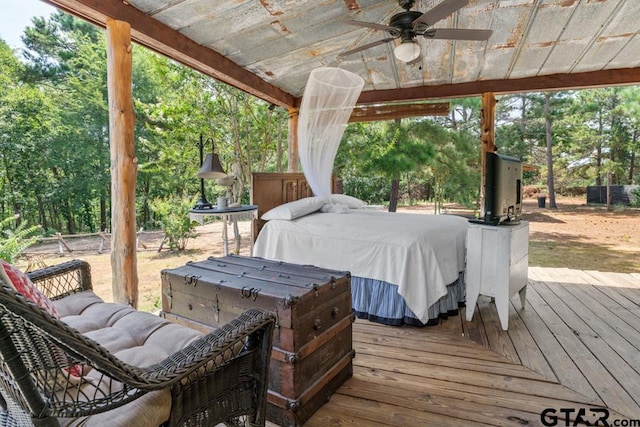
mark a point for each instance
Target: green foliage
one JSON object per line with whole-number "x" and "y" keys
{"x": 55, "y": 154}
{"x": 431, "y": 160}
{"x": 172, "y": 213}
{"x": 588, "y": 129}
{"x": 373, "y": 190}
{"x": 635, "y": 197}
{"x": 54, "y": 128}
{"x": 453, "y": 169}
{"x": 15, "y": 238}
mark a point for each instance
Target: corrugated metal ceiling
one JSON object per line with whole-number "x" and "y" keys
{"x": 281, "y": 41}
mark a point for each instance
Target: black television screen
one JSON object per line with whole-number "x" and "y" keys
{"x": 503, "y": 189}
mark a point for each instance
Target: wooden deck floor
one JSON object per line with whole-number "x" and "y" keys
{"x": 576, "y": 345}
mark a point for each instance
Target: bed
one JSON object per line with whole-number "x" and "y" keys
{"x": 406, "y": 268}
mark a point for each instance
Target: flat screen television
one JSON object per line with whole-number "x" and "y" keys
{"x": 502, "y": 189}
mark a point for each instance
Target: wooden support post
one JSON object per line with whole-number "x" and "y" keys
{"x": 487, "y": 139}
{"x": 294, "y": 113}
{"x": 123, "y": 163}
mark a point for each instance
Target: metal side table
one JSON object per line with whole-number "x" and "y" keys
{"x": 228, "y": 216}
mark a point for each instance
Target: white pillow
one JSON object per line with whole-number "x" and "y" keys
{"x": 295, "y": 209}
{"x": 343, "y": 199}
{"x": 335, "y": 208}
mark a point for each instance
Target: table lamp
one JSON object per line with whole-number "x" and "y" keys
{"x": 210, "y": 168}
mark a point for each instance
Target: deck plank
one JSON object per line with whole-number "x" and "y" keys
{"x": 445, "y": 361}
{"x": 619, "y": 306}
{"x": 558, "y": 359}
{"x": 473, "y": 393}
{"x": 607, "y": 321}
{"x": 474, "y": 329}
{"x": 450, "y": 349}
{"x": 391, "y": 414}
{"x": 498, "y": 342}
{"x": 426, "y": 371}
{"x": 580, "y": 356}
{"x": 452, "y": 323}
{"x": 614, "y": 353}
{"x": 433, "y": 402}
{"x": 575, "y": 345}
{"x": 524, "y": 343}
{"x": 621, "y": 286}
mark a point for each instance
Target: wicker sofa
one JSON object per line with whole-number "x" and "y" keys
{"x": 103, "y": 364}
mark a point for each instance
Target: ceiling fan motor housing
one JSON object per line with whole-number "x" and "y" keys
{"x": 403, "y": 21}
{"x": 405, "y": 4}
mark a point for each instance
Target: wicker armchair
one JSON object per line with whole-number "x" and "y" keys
{"x": 52, "y": 375}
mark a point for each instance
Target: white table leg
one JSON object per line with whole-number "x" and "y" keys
{"x": 225, "y": 238}
{"x": 236, "y": 236}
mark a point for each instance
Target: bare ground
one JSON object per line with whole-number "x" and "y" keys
{"x": 574, "y": 236}
{"x": 584, "y": 237}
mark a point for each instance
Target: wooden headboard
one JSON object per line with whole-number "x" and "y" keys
{"x": 269, "y": 190}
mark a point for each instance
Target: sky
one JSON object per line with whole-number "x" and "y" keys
{"x": 15, "y": 15}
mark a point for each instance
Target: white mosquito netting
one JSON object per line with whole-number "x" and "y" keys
{"x": 327, "y": 103}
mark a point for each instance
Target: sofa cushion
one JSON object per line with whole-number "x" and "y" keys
{"x": 152, "y": 409}
{"x": 75, "y": 304}
{"x": 135, "y": 337}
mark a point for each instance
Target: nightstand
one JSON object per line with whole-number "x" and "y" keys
{"x": 497, "y": 263}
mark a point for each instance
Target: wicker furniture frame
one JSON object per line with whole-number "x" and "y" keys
{"x": 221, "y": 377}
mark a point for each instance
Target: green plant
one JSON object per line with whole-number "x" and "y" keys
{"x": 15, "y": 237}
{"x": 635, "y": 197}
{"x": 373, "y": 190}
{"x": 172, "y": 214}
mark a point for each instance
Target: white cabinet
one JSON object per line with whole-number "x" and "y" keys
{"x": 497, "y": 262}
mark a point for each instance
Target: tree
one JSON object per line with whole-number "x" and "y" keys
{"x": 384, "y": 149}
{"x": 453, "y": 167}
{"x": 630, "y": 114}
{"x": 65, "y": 59}
{"x": 549, "y": 150}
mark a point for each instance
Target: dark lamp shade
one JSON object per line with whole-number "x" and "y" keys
{"x": 211, "y": 168}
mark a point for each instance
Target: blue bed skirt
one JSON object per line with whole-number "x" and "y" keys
{"x": 380, "y": 302}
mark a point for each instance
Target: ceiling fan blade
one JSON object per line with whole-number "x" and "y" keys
{"x": 365, "y": 46}
{"x": 371, "y": 25}
{"x": 441, "y": 11}
{"x": 457, "y": 34}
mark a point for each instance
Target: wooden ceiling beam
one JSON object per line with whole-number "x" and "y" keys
{"x": 372, "y": 113}
{"x": 613, "y": 77}
{"x": 158, "y": 37}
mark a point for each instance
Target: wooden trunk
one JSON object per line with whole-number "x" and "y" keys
{"x": 312, "y": 350}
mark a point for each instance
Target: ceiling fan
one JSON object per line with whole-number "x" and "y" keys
{"x": 409, "y": 24}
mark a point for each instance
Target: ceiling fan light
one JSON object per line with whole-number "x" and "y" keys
{"x": 407, "y": 51}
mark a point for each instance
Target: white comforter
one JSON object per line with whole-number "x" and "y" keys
{"x": 421, "y": 254}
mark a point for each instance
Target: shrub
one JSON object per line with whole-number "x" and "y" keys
{"x": 634, "y": 197}
{"x": 172, "y": 214}
{"x": 14, "y": 239}
{"x": 373, "y": 190}
{"x": 572, "y": 191}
